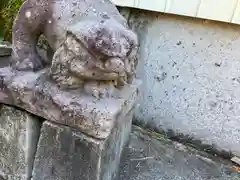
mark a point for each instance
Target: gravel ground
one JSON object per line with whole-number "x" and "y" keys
{"x": 150, "y": 156}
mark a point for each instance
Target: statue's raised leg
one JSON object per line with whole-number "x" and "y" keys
{"x": 26, "y": 31}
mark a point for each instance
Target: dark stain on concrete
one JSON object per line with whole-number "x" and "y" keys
{"x": 162, "y": 77}
{"x": 179, "y": 43}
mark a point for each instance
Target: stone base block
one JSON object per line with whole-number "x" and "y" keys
{"x": 5, "y": 49}
{"x": 19, "y": 132}
{"x": 66, "y": 154}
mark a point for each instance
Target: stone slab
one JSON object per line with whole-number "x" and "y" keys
{"x": 19, "y": 132}
{"x": 151, "y": 156}
{"x": 33, "y": 92}
{"x": 5, "y": 49}
{"x": 66, "y": 154}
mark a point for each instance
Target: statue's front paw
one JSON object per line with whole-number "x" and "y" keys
{"x": 99, "y": 89}
{"x": 32, "y": 63}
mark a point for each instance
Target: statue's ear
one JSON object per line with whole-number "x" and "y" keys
{"x": 85, "y": 31}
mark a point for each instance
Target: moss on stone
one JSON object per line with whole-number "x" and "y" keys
{"x": 8, "y": 12}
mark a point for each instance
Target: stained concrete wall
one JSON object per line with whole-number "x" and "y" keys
{"x": 191, "y": 77}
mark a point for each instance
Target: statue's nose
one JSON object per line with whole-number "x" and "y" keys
{"x": 115, "y": 65}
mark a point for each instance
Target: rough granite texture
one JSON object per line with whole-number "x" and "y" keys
{"x": 64, "y": 153}
{"x": 91, "y": 46}
{"x": 190, "y": 72}
{"x": 33, "y": 92}
{"x": 72, "y": 68}
{"x": 90, "y": 42}
{"x": 19, "y": 133}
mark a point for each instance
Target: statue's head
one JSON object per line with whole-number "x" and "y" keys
{"x": 106, "y": 46}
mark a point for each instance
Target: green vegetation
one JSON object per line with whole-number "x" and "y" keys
{"x": 8, "y": 12}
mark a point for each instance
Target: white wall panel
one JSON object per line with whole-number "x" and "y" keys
{"x": 220, "y": 10}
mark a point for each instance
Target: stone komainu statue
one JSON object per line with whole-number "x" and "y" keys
{"x": 93, "y": 47}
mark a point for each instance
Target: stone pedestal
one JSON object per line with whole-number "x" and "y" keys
{"x": 64, "y": 153}
{"x": 19, "y": 132}
{"x": 82, "y": 137}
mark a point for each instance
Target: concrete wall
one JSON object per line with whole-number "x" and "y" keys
{"x": 191, "y": 77}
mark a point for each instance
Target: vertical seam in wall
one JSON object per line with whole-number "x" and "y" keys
{"x": 235, "y": 9}
{"x": 166, "y": 3}
{"x": 136, "y": 3}
{"x": 198, "y": 8}
{"x": 38, "y": 135}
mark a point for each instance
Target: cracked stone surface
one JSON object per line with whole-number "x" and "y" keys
{"x": 150, "y": 156}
